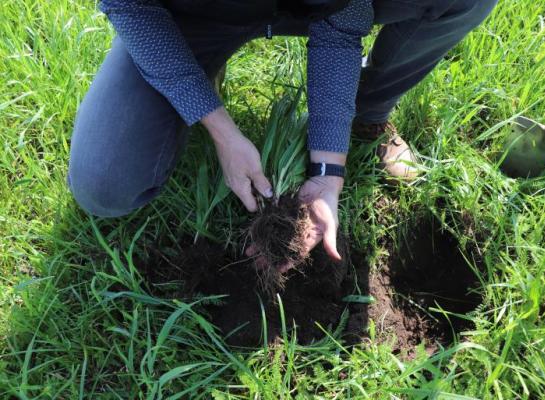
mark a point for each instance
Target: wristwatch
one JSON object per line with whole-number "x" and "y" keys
{"x": 324, "y": 169}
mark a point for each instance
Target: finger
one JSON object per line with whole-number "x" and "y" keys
{"x": 262, "y": 184}
{"x": 330, "y": 241}
{"x": 244, "y": 193}
{"x": 260, "y": 262}
{"x": 304, "y": 196}
{"x": 313, "y": 236}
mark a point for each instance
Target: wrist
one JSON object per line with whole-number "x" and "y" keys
{"x": 335, "y": 162}
{"x": 220, "y": 126}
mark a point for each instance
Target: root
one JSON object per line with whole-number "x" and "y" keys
{"x": 278, "y": 235}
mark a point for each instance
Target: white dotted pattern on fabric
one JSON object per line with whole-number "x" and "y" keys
{"x": 334, "y": 67}
{"x": 162, "y": 55}
{"x": 164, "y": 59}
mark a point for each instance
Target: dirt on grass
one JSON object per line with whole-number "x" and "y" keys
{"x": 426, "y": 270}
{"x": 312, "y": 294}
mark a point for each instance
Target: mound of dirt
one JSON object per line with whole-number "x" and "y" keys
{"x": 425, "y": 271}
{"x": 309, "y": 298}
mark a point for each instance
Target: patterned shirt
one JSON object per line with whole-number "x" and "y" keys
{"x": 165, "y": 60}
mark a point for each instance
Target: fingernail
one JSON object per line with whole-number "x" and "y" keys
{"x": 269, "y": 193}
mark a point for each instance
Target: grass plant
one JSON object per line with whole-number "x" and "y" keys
{"x": 283, "y": 153}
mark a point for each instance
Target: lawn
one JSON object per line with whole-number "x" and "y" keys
{"x": 80, "y": 318}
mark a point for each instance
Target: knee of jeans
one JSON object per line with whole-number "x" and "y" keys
{"x": 475, "y": 11}
{"x": 97, "y": 190}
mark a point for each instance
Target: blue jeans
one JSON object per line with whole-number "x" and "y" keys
{"x": 127, "y": 137}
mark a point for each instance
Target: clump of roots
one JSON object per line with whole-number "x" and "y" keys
{"x": 277, "y": 236}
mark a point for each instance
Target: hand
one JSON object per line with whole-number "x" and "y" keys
{"x": 321, "y": 195}
{"x": 239, "y": 159}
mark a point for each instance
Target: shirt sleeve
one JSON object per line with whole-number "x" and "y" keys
{"x": 333, "y": 71}
{"x": 162, "y": 55}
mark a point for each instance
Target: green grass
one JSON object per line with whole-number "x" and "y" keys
{"x": 76, "y": 320}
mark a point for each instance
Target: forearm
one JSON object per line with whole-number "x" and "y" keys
{"x": 334, "y": 66}
{"x": 331, "y": 97}
{"x": 162, "y": 55}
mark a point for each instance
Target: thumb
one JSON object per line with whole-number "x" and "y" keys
{"x": 330, "y": 241}
{"x": 262, "y": 184}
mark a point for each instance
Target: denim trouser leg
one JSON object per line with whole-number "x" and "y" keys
{"x": 127, "y": 136}
{"x": 124, "y": 139}
{"x": 416, "y": 35}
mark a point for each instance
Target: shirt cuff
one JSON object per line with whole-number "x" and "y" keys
{"x": 194, "y": 98}
{"x": 329, "y": 134}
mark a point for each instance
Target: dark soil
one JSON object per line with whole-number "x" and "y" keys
{"x": 309, "y": 298}
{"x": 425, "y": 270}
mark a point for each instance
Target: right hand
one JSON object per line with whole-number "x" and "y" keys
{"x": 239, "y": 159}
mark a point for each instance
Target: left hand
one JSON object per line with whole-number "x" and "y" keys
{"x": 321, "y": 195}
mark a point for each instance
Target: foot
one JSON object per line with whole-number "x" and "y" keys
{"x": 395, "y": 155}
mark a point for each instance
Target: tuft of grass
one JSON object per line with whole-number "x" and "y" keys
{"x": 283, "y": 153}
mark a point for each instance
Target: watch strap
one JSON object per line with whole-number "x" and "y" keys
{"x": 325, "y": 169}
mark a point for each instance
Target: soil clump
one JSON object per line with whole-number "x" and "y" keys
{"x": 277, "y": 238}
{"x": 312, "y": 294}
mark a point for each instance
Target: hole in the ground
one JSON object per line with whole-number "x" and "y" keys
{"x": 426, "y": 272}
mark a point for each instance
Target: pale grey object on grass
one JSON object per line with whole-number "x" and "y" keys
{"x": 525, "y": 147}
